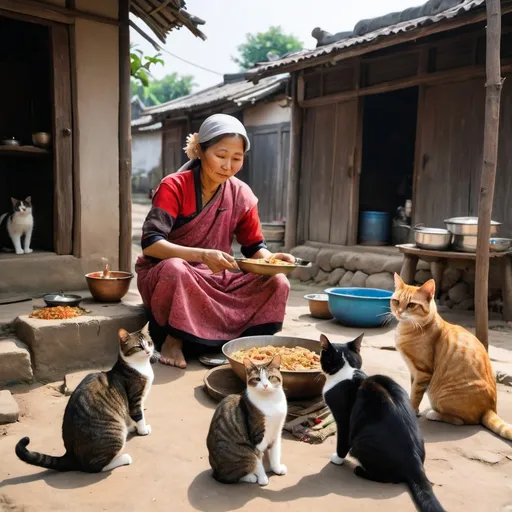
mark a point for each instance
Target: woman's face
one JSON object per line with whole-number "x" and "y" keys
{"x": 223, "y": 160}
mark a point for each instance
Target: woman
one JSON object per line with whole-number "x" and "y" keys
{"x": 184, "y": 275}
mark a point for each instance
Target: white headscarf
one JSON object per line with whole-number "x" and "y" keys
{"x": 213, "y": 126}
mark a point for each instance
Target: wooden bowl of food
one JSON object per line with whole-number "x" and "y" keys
{"x": 319, "y": 305}
{"x": 265, "y": 267}
{"x": 306, "y": 381}
{"x": 109, "y": 289}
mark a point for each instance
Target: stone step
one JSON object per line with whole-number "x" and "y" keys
{"x": 61, "y": 346}
{"x": 15, "y": 361}
{"x": 9, "y": 410}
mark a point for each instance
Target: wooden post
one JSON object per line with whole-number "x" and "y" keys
{"x": 292, "y": 202}
{"x": 125, "y": 141}
{"x": 490, "y": 157}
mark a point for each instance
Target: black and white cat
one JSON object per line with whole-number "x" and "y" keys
{"x": 16, "y": 225}
{"x": 375, "y": 422}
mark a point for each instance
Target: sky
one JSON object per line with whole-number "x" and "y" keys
{"x": 228, "y": 22}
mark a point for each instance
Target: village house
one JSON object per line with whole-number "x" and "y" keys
{"x": 68, "y": 69}
{"x": 389, "y": 112}
{"x": 159, "y": 135}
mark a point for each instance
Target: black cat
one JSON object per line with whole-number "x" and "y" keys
{"x": 375, "y": 423}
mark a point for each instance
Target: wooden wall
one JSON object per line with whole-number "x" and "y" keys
{"x": 266, "y": 169}
{"x": 327, "y": 172}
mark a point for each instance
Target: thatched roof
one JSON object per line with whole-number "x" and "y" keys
{"x": 162, "y": 16}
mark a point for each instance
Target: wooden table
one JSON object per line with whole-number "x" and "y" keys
{"x": 439, "y": 260}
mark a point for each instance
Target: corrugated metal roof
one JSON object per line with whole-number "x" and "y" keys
{"x": 340, "y": 46}
{"x": 239, "y": 93}
{"x": 162, "y": 16}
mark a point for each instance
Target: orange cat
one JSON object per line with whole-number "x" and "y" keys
{"x": 446, "y": 361}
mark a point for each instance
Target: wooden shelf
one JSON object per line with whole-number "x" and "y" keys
{"x": 27, "y": 150}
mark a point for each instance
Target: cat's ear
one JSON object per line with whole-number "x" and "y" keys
{"x": 145, "y": 331}
{"x": 324, "y": 342}
{"x": 248, "y": 363}
{"x": 124, "y": 335}
{"x": 355, "y": 345}
{"x": 276, "y": 362}
{"x": 399, "y": 283}
{"x": 28, "y": 200}
{"x": 14, "y": 201}
{"x": 428, "y": 290}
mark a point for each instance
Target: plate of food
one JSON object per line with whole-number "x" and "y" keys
{"x": 269, "y": 266}
{"x": 300, "y": 361}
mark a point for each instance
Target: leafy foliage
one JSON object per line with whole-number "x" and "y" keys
{"x": 264, "y": 46}
{"x": 140, "y": 65}
{"x": 168, "y": 88}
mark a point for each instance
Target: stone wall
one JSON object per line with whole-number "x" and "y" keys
{"x": 359, "y": 267}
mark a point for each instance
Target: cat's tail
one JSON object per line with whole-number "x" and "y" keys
{"x": 423, "y": 494}
{"x": 39, "y": 459}
{"x": 495, "y": 424}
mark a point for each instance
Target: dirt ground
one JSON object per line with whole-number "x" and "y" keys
{"x": 470, "y": 467}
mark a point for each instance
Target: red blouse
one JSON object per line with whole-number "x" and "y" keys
{"x": 178, "y": 200}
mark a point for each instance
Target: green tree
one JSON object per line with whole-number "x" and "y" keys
{"x": 263, "y": 46}
{"x": 168, "y": 88}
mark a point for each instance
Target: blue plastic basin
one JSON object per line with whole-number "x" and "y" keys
{"x": 359, "y": 307}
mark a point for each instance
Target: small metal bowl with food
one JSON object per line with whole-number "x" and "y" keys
{"x": 300, "y": 361}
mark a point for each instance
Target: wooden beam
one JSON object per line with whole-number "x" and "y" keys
{"x": 125, "y": 141}
{"x": 379, "y": 44}
{"x": 452, "y": 75}
{"x": 53, "y": 12}
{"x": 493, "y": 86}
{"x": 292, "y": 202}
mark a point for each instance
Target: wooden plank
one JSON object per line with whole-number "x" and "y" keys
{"x": 345, "y": 136}
{"x": 306, "y": 173}
{"x": 294, "y": 170}
{"x": 321, "y": 184}
{"x": 52, "y": 12}
{"x": 451, "y": 148}
{"x": 358, "y": 161}
{"x": 24, "y": 150}
{"x": 502, "y": 208}
{"x": 77, "y": 202}
{"x": 455, "y": 75}
{"x": 63, "y": 141}
{"x": 450, "y": 255}
{"x": 125, "y": 149}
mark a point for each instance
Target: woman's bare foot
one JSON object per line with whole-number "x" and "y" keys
{"x": 172, "y": 353}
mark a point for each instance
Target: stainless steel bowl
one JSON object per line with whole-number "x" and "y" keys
{"x": 433, "y": 239}
{"x": 10, "y": 142}
{"x": 41, "y": 139}
{"x": 467, "y": 226}
{"x": 304, "y": 384}
{"x": 62, "y": 299}
{"x": 500, "y": 244}
{"x": 464, "y": 243}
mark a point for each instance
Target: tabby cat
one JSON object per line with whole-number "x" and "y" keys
{"x": 375, "y": 422}
{"x": 102, "y": 410}
{"x": 244, "y": 426}
{"x": 18, "y": 224}
{"x": 446, "y": 361}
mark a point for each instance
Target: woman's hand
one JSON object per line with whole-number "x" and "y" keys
{"x": 217, "y": 261}
{"x": 283, "y": 256}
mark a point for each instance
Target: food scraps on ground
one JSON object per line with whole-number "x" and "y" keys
{"x": 292, "y": 358}
{"x": 57, "y": 313}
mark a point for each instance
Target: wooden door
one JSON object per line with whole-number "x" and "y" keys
{"x": 327, "y": 173}
{"x": 172, "y": 149}
{"x": 451, "y": 151}
{"x": 63, "y": 140}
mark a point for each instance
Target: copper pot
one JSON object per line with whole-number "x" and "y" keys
{"x": 111, "y": 289}
{"x": 319, "y": 305}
